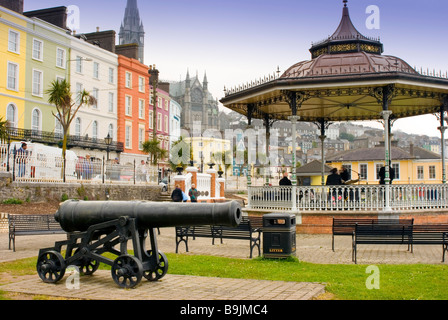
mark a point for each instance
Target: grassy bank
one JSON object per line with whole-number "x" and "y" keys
{"x": 345, "y": 282}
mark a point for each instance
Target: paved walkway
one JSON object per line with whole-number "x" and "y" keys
{"x": 310, "y": 248}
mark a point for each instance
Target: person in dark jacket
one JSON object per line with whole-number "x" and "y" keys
{"x": 334, "y": 179}
{"x": 176, "y": 195}
{"x": 285, "y": 181}
{"x": 382, "y": 174}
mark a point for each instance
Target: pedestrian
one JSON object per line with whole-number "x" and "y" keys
{"x": 176, "y": 195}
{"x": 382, "y": 174}
{"x": 334, "y": 179}
{"x": 285, "y": 181}
{"x": 193, "y": 193}
{"x": 184, "y": 197}
{"x": 21, "y": 156}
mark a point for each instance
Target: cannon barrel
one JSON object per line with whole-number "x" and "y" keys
{"x": 74, "y": 215}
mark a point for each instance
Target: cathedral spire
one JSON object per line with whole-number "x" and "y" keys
{"x": 132, "y": 30}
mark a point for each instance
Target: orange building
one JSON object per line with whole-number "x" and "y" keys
{"x": 133, "y": 107}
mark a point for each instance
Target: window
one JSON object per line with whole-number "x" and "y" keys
{"x": 11, "y": 115}
{"x": 128, "y": 110}
{"x": 60, "y": 58}
{"x": 13, "y": 76}
{"x": 128, "y": 79}
{"x": 58, "y": 130}
{"x": 37, "y": 83}
{"x": 14, "y": 41}
{"x": 79, "y": 64}
{"x": 141, "y": 137}
{"x": 396, "y": 167}
{"x": 377, "y": 170}
{"x": 96, "y": 70}
{"x": 38, "y": 47}
{"x": 363, "y": 171}
{"x": 432, "y": 172}
{"x": 166, "y": 105}
{"x": 111, "y": 131}
{"x": 95, "y": 95}
{"x": 141, "y": 84}
{"x": 166, "y": 123}
{"x": 159, "y": 121}
{"x": 78, "y": 127}
{"x": 111, "y": 75}
{"x": 79, "y": 90}
{"x": 420, "y": 173}
{"x": 35, "y": 120}
{"x": 111, "y": 102}
{"x": 151, "y": 100}
{"x": 128, "y": 136}
{"x": 159, "y": 103}
{"x": 141, "y": 109}
{"x": 95, "y": 130}
{"x": 151, "y": 120}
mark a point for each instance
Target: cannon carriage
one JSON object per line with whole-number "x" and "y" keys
{"x": 98, "y": 228}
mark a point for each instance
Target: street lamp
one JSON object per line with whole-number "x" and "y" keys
{"x": 108, "y": 141}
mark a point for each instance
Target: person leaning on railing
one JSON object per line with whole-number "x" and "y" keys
{"x": 334, "y": 179}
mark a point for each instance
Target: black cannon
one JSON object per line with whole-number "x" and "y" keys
{"x": 95, "y": 228}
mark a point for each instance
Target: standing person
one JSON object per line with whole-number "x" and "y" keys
{"x": 382, "y": 174}
{"x": 334, "y": 179}
{"x": 345, "y": 176}
{"x": 21, "y": 157}
{"x": 285, "y": 181}
{"x": 176, "y": 195}
{"x": 193, "y": 193}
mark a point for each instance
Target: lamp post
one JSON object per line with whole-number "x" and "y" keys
{"x": 108, "y": 141}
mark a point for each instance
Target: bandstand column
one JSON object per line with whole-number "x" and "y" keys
{"x": 442, "y": 129}
{"x": 294, "y": 119}
{"x": 322, "y": 145}
{"x": 386, "y": 116}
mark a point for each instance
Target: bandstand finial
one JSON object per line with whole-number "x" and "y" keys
{"x": 345, "y": 3}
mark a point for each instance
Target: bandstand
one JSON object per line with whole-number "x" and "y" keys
{"x": 347, "y": 79}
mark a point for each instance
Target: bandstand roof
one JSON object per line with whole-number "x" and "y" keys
{"x": 344, "y": 81}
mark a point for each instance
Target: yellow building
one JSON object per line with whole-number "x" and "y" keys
{"x": 12, "y": 67}
{"x": 413, "y": 166}
{"x": 208, "y": 149}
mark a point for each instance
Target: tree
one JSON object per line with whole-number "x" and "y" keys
{"x": 152, "y": 147}
{"x": 60, "y": 95}
{"x": 4, "y": 129}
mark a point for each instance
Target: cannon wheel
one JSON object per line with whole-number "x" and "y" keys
{"x": 161, "y": 269}
{"x": 87, "y": 266}
{"x": 127, "y": 271}
{"x": 51, "y": 266}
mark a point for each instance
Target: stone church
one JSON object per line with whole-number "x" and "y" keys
{"x": 197, "y": 103}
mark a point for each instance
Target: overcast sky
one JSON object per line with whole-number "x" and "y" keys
{"x": 237, "y": 41}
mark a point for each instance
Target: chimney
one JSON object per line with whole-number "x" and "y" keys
{"x": 411, "y": 149}
{"x": 14, "y": 5}
{"x": 56, "y": 16}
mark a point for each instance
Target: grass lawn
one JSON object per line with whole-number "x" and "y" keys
{"x": 345, "y": 282}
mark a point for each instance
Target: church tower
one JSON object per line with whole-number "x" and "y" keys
{"x": 131, "y": 30}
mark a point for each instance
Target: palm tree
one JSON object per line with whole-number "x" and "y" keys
{"x": 152, "y": 147}
{"x": 60, "y": 95}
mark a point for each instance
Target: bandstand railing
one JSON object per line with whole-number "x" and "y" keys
{"x": 357, "y": 197}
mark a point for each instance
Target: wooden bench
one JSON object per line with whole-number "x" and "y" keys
{"x": 381, "y": 234}
{"x": 25, "y": 225}
{"x": 346, "y": 226}
{"x": 250, "y": 229}
{"x": 431, "y": 234}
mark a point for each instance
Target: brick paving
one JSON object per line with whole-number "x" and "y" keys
{"x": 310, "y": 248}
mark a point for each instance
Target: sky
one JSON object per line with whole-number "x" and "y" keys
{"x": 237, "y": 41}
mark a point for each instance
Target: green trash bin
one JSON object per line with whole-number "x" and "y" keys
{"x": 279, "y": 235}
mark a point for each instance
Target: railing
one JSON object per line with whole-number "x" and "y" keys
{"x": 73, "y": 141}
{"x": 203, "y": 186}
{"x": 48, "y": 168}
{"x": 359, "y": 197}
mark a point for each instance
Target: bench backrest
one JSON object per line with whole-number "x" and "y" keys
{"x": 347, "y": 226}
{"x": 382, "y": 230}
{"x": 19, "y": 222}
